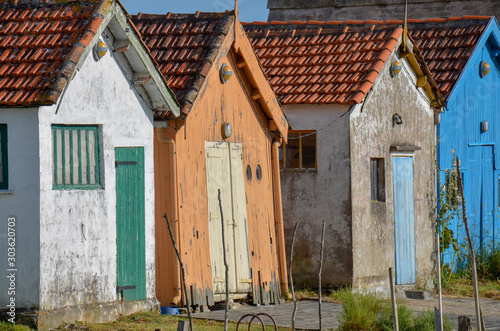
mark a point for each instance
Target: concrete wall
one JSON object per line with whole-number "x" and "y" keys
{"x": 372, "y": 134}
{"x": 22, "y": 202}
{"x": 323, "y": 195}
{"x": 324, "y": 10}
{"x": 78, "y": 227}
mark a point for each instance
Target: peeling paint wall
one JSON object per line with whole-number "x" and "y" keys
{"x": 21, "y": 201}
{"x": 310, "y": 198}
{"x": 218, "y": 103}
{"x": 372, "y": 134}
{"x": 78, "y": 227}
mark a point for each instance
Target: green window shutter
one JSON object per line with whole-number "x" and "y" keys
{"x": 76, "y": 157}
{"x": 4, "y": 173}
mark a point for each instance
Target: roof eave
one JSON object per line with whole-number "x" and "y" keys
{"x": 424, "y": 76}
{"x": 102, "y": 16}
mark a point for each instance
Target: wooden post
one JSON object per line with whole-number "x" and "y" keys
{"x": 226, "y": 312}
{"x": 471, "y": 248}
{"x": 188, "y": 303}
{"x": 182, "y": 325}
{"x": 439, "y": 321}
{"x": 319, "y": 273}
{"x": 464, "y": 323}
{"x": 291, "y": 277}
{"x": 393, "y": 300}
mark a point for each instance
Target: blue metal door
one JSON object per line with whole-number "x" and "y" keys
{"x": 404, "y": 219}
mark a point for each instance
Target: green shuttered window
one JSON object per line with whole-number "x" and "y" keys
{"x": 76, "y": 157}
{"x": 4, "y": 174}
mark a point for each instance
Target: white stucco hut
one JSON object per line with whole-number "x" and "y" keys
{"x": 360, "y": 156}
{"x": 77, "y": 93}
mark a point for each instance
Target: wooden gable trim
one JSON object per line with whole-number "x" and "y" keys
{"x": 424, "y": 76}
{"x": 137, "y": 44}
{"x": 262, "y": 91}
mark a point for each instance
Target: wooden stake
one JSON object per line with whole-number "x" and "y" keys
{"x": 226, "y": 313}
{"x": 291, "y": 277}
{"x": 393, "y": 300}
{"x": 472, "y": 256}
{"x": 188, "y": 303}
{"x": 319, "y": 273}
{"x": 440, "y": 297}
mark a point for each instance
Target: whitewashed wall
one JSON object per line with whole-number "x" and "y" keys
{"x": 372, "y": 135}
{"x": 21, "y": 201}
{"x": 78, "y": 227}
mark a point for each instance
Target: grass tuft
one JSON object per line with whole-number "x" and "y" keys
{"x": 366, "y": 311}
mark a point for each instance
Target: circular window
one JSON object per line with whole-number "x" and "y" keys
{"x": 249, "y": 173}
{"x": 258, "y": 172}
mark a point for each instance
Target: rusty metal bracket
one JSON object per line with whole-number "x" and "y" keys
{"x": 256, "y": 316}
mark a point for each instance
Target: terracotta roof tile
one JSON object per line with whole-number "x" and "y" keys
{"x": 353, "y": 54}
{"x": 37, "y": 41}
{"x": 336, "y": 62}
{"x": 185, "y": 46}
{"x": 446, "y": 45}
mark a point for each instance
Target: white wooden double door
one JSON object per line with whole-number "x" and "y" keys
{"x": 224, "y": 163}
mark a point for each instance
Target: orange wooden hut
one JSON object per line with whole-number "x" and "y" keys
{"x": 226, "y": 139}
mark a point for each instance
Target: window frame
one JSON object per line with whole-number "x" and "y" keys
{"x": 301, "y": 169}
{"x": 377, "y": 180}
{"x": 76, "y": 186}
{"x": 4, "y": 184}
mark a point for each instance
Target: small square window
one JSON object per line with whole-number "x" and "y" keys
{"x": 300, "y": 152}
{"x": 377, "y": 175}
{"x": 76, "y": 157}
{"x": 4, "y": 174}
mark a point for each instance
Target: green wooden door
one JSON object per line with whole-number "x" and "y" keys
{"x": 130, "y": 219}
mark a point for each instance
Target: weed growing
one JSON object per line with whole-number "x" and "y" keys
{"x": 366, "y": 311}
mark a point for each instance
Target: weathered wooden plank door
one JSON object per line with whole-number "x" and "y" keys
{"x": 239, "y": 226}
{"x": 225, "y": 172}
{"x": 404, "y": 219}
{"x": 130, "y": 223}
{"x": 479, "y": 195}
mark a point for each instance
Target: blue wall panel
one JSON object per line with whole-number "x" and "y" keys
{"x": 476, "y": 99}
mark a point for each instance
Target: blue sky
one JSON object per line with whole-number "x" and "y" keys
{"x": 250, "y": 10}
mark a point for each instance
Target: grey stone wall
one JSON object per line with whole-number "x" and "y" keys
{"x": 310, "y": 198}
{"x": 324, "y": 10}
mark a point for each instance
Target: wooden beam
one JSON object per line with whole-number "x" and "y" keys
{"x": 122, "y": 45}
{"x": 241, "y": 63}
{"x": 272, "y": 125}
{"x": 256, "y": 94}
{"x": 421, "y": 81}
{"x": 141, "y": 78}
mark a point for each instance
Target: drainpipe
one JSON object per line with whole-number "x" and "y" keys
{"x": 175, "y": 229}
{"x": 279, "y": 216}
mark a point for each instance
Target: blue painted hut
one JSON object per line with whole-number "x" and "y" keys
{"x": 463, "y": 55}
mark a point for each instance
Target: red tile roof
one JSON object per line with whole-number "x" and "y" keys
{"x": 446, "y": 45}
{"x": 40, "y": 45}
{"x": 329, "y": 62}
{"x": 184, "y": 46}
{"x": 322, "y": 63}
